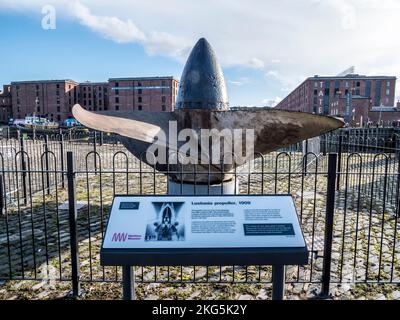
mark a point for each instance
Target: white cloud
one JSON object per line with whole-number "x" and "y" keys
{"x": 240, "y": 82}
{"x": 271, "y": 102}
{"x": 256, "y": 63}
{"x": 108, "y": 26}
{"x": 125, "y": 31}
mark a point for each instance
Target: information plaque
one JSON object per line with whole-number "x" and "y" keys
{"x": 203, "y": 230}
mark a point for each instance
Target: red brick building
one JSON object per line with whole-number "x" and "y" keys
{"x": 148, "y": 94}
{"x": 5, "y": 104}
{"x": 352, "y": 97}
{"x": 54, "y": 99}
{"x": 93, "y": 95}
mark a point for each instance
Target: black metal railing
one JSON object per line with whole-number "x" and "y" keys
{"x": 56, "y": 192}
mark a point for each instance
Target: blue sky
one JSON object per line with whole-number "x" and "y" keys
{"x": 266, "y": 48}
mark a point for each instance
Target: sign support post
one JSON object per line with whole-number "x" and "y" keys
{"x": 278, "y": 282}
{"x": 128, "y": 283}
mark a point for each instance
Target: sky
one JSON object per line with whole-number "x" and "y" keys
{"x": 265, "y": 47}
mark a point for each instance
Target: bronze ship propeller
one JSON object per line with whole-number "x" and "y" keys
{"x": 202, "y": 103}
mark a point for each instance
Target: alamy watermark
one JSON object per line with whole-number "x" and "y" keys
{"x": 202, "y": 146}
{"x": 49, "y": 17}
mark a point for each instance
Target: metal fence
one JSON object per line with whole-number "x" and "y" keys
{"x": 346, "y": 195}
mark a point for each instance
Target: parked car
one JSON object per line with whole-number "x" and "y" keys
{"x": 71, "y": 122}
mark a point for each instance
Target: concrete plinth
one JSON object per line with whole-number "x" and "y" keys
{"x": 176, "y": 188}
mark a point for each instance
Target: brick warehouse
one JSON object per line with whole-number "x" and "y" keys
{"x": 5, "y": 104}
{"x": 149, "y": 94}
{"x": 54, "y": 99}
{"x": 359, "y": 99}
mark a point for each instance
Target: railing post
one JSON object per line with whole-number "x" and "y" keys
{"x": 339, "y": 165}
{"x": 101, "y": 138}
{"x": 8, "y": 133}
{"x": 330, "y": 209}
{"x": 305, "y": 157}
{"x": 2, "y": 198}
{"x": 95, "y": 150}
{"x": 62, "y": 159}
{"x": 46, "y": 159}
{"x": 23, "y": 167}
{"x": 73, "y": 225}
{"x": 323, "y": 144}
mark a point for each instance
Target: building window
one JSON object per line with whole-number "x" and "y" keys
{"x": 37, "y": 87}
{"x": 163, "y": 107}
{"x": 315, "y": 92}
{"x": 387, "y": 83}
{"x": 116, "y": 99}
{"x": 116, "y": 91}
{"x": 116, "y": 84}
{"x": 387, "y": 92}
{"x": 139, "y": 107}
{"x": 99, "y": 102}
{"x": 116, "y": 107}
{"x": 84, "y": 102}
{"x": 58, "y": 108}
{"x": 139, "y": 84}
{"x": 139, "y": 91}
{"x": 163, "y": 99}
{"x": 139, "y": 99}
{"x": 358, "y": 83}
